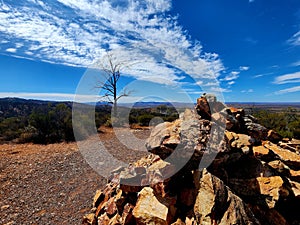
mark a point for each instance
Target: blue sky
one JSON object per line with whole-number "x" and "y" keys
{"x": 241, "y": 50}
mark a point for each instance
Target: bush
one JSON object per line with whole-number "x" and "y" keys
{"x": 29, "y": 134}
{"x": 144, "y": 120}
{"x": 286, "y": 123}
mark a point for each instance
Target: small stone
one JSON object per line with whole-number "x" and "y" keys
{"x": 5, "y": 207}
{"x": 89, "y": 219}
{"x": 99, "y": 197}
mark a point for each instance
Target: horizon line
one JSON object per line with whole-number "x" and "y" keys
{"x": 91, "y": 102}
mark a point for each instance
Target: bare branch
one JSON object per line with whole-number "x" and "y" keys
{"x": 111, "y": 73}
{"x": 125, "y": 94}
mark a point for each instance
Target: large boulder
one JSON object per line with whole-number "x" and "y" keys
{"x": 216, "y": 204}
{"x": 150, "y": 210}
{"x": 264, "y": 191}
{"x": 289, "y": 158}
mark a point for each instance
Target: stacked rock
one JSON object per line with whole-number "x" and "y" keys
{"x": 214, "y": 165}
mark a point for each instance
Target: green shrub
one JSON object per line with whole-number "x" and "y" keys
{"x": 145, "y": 119}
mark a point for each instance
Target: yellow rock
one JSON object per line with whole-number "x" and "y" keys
{"x": 149, "y": 210}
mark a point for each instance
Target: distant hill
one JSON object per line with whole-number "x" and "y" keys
{"x": 156, "y": 104}
{"x": 39, "y": 121}
{"x": 46, "y": 122}
{"x": 251, "y": 107}
{"x": 18, "y": 107}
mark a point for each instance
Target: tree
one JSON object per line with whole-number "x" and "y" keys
{"x": 111, "y": 73}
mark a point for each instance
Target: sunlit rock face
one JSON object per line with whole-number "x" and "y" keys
{"x": 248, "y": 180}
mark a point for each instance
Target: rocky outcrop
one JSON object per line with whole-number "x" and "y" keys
{"x": 216, "y": 204}
{"x": 214, "y": 165}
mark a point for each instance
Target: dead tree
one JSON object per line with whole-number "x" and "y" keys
{"x": 111, "y": 71}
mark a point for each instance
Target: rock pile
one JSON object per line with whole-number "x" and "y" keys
{"x": 214, "y": 165}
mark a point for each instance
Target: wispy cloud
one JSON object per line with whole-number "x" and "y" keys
{"x": 251, "y": 40}
{"x": 288, "y": 90}
{"x": 244, "y": 68}
{"x": 261, "y": 75}
{"x": 219, "y": 89}
{"x": 231, "y": 76}
{"x": 296, "y": 63}
{"x": 288, "y": 78}
{"x": 247, "y": 91}
{"x": 49, "y": 96}
{"x": 79, "y": 32}
{"x": 12, "y": 50}
{"x": 295, "y": 39}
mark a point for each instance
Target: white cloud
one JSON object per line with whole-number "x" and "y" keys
{"x": 11, "y": 50}
{"x": 78, "y": 33}
{"x": 209, "y": 84}
{"x": 295, "y": 39}
{"x": 231, "y": 76}
{"x": 247, "y": 91}
{"x": 288, "y": 78}
{"x": 296, "y": 63}
{"x": 62, "y": 97}
{"x": 42, "y": 96}
{"x": 244, "y": 68}
{"x": 219, "y": 89}
{"x": 231, "y": 82}
{"x": 52, "y": 96}
{"x": 288, "y": 90}
{"x": 261, "y": 75}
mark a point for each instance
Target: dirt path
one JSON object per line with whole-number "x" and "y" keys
{"x": 51, "y": 184}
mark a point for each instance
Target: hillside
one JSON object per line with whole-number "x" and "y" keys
{"x": 18, "y": 107}
{"x": 43, "y": 122}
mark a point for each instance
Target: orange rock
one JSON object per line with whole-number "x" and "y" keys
{"x": 178, "y": 222}
{"x": 273, "y": 136}
{"x": 295, "y": 188}
{"x": 229, "y": 135}
{"x": 272, "y": 187}
{"x": 127, "y": 217}
{"x": 89, "y": 219}
{"x": 116, "y": 220}
{"x": 213, "y": 197}
{"x": 111, "y": 207}
{"x": 149, "y": 210}
{"x": 280, "y": 167}
{"x": 295, "y": 175}
{"x": 291, "y": 159}
{"x": 260, "y": 151}
{"x": 203, "y": 108}
{"x": 98, "y": 198}
{"x": 103, "y": 219}
{"x": 236, "y": 111}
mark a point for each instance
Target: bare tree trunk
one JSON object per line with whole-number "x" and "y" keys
{"x": 115, "y": 98}
{"x": 112, "y": 75}
{"x": 115, "y": 109}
